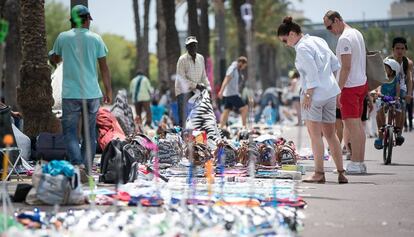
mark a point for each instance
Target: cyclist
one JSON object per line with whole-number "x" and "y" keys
{"x": 392, "y": 88}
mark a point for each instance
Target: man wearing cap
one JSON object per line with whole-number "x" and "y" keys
{"x": 191, "y": 75}
{"x": 80, "y": 50}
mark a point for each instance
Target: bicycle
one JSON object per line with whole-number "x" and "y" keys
{"x": 390, "y": 105}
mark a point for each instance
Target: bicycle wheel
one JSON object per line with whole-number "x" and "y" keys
{"x": 388, "y": 144}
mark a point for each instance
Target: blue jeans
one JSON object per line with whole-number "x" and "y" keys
{"x": 71, "y": 114}
{"x": 183, "y": 110}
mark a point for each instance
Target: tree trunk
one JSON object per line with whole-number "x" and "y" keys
{"x": 164, "y": 80}
{"x": 267, "y": 65}
{"x": 138, "y": 41}
{"x": 13, "y": 55}
{"x": 193, "y": 28}
{"x": 220, "y": 68}
{"x": 173, "y": 47}
{"x": 204, "y": 30}
{"x": 241, "y": 31}
{"x": 35, "y": 92}
{"x": 144, "y": 52}
{"x": 77, "y": 2}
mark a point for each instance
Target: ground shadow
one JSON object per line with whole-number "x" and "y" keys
{"x": 398, "y": 164}
{"x": 324, "y": 198}
{"x": 361, "y": 182}
{"x": 370, "y": 174}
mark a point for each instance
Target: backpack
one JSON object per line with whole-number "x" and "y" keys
{"x": 113, "y": 167}
{"x": 51, "y": 146}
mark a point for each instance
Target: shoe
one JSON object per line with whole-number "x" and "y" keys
{"x": 363, "y": 167}
{"x": 341, "y": 177}
{"x": 344, "y": 150}
{"x": 354, "y": 168}
{"x": 84, "y": 178}
{"x": 378, "y": 144}
{"x": 317, "y": 177}
{"x": 399, "y": 140}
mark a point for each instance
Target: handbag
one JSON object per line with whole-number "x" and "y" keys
{"x": 375, "y": 70}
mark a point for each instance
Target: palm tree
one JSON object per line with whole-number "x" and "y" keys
{"x": 142, "y": 39}
{"x": 163, "y": 78}
{"x": 268, "y": 12}
{"x": 220, "y": 49}
{"x": 241, "y": 31}
{"x": 172, "y": 45}
{"x": 144, "y": 52}
{"x": 204, "y": 30}
{"x": 193, "y": 28}
{"x": 12, "y": 52}
{"x": 138, "y": 41}
{"x": 35, "y": 93}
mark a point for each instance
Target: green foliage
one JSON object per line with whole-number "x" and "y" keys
{"x": 378, "y": 39}
{"x": 268, "y": 14}
{"x": 57, "y": 20}
{"x": 120, "y": 59}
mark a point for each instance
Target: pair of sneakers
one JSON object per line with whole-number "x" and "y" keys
{"x": 356, "y": 168}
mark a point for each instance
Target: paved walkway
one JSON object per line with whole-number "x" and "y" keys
{"x": 380, "y": 203}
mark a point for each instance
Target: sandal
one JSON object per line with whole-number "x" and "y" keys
{"x": 341, "y": 177}
{"x": 317, "y": 177}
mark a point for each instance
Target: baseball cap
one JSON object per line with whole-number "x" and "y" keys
{"x": 81, "y": 10}
{"x": 190, "y": 39}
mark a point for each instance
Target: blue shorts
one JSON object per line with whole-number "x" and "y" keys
{"x": 233, "y": 102}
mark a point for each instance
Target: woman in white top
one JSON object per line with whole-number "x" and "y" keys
{"x": 316, "y": 63}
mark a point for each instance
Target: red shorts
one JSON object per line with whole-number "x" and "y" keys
{"x": 352, "y": 101}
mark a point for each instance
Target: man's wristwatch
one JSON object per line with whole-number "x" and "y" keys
{"x": 308, "y": 95}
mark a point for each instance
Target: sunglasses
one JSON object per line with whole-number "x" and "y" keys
{"x": 330, "y": 26}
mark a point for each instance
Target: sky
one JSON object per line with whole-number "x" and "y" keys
{"x": 116, "y": 16}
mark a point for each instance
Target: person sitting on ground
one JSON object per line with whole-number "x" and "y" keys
{"x": 392, "y": 88}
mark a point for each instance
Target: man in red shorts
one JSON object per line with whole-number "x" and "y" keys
{"x": 350, "y": 51}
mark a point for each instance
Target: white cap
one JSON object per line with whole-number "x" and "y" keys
{"x": 190, "y": 39}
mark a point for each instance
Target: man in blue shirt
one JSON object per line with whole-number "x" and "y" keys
{"x": 80, "y": 50}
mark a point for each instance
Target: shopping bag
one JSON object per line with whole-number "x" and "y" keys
{"x": 375, "y": 70}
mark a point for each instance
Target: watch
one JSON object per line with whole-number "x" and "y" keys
{"x": 308, "y": 95}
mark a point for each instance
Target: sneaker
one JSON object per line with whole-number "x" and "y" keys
{"x": 354, "y": 168}
{"x": 399, "y": 140}
{"x": 363, "y": 167}
{"x": 378, "y": 144}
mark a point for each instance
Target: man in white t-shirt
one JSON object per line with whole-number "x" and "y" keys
{"x": 352, "y": 81}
